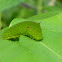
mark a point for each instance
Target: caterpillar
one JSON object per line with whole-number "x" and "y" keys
{"x": 28, "y": 28}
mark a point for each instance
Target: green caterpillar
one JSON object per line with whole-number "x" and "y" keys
{"x": 29, "y": 28}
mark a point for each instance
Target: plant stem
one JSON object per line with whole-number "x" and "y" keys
{"x": 39, "y": 8}
{"x": 0, "y": 21}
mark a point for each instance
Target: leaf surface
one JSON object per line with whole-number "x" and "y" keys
{"x": 29, "y": 50}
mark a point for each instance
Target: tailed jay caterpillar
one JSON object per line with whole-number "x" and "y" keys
{"x": 28, "y": 28}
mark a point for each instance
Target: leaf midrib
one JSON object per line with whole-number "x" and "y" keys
{"x": 51, "y": 50}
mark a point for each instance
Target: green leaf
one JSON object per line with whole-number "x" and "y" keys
{"x": 53, "y": 23}
{"x": 29, "y": 50}
{"x": 8, "y": 3}
{"x": 14, "y": 52}
{"x": 44, "y": 15}
{"x": 15, "y": 21}
{"x": 41, "y": 51}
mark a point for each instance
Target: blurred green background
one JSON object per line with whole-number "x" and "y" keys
{"x": 29, "y": 8}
